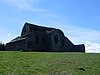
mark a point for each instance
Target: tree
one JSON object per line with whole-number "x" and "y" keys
{"x": 2, "y": 46}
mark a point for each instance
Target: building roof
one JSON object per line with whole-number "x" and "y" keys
{"x": 34, "y": 27}
{"x": 18, "y": 39}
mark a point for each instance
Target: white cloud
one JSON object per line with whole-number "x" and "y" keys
{"x": 9, "y": 34}
{"x": 92, "y": 47}
{"x": 24, "y": 4}
{"x": 19, "y": 3}
{"x": 84, "y": 34}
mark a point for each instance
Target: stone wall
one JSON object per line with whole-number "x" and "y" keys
{"x": 57, "y": 37}
{"x": 38, "y": 41}
{"x": 17, "y": 45}
{"x": 79, "y": 48}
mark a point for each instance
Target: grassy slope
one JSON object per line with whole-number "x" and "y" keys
{"x": 42, "y": 63}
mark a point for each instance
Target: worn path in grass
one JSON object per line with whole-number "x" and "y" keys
{"x": 48, "y": 63}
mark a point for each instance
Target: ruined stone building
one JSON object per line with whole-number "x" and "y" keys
{"x": 38, "y": 38}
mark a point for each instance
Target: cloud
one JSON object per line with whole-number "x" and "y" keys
{"x": 84, "y": 34}
{"x": 92, "y": 47}
{"x": 9, "y": 34}
{"x": 24, "y": 4}
{"x": 19, "y": 3}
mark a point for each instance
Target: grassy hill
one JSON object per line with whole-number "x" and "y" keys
{"x": 48, "y": 63}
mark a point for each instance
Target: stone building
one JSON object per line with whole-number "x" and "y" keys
{"x": 38, "y": 38}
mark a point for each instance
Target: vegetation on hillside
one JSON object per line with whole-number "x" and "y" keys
{"x": 48, "y": 63}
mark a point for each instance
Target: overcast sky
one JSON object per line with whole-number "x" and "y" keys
{"x": 78, "y": 19}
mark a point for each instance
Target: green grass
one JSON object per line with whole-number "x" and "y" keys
{"x": 48, "y": 63}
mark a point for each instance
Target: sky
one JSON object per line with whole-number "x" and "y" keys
{"x": 78, "y": 19}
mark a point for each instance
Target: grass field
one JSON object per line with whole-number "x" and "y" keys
{"x": 48, "y": 63}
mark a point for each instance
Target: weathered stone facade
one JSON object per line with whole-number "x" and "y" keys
{"x": 38, "y": 38}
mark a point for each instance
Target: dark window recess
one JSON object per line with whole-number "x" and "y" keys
{"x": 25, "y": 30}
{"x": 63, "y": 42}
{"x": 37, "y": 39}
{"x": 42, "y": 40}
{"x": 56, "y": 39}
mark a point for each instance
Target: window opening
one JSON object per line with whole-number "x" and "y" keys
{"x": 37, "y": 39}
{"x": 56, "y": 39}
